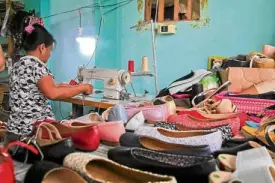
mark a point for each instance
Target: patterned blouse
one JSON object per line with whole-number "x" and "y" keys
{"x": 27, "y": 103}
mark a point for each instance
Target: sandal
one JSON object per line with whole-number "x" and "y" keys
{"x": 265, "y": 133}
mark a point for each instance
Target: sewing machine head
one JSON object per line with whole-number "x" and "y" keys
{"x": 114, "y": 80}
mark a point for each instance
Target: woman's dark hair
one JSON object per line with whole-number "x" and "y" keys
{"x": 25, "y": 40}
{"x": 38, "y": 36}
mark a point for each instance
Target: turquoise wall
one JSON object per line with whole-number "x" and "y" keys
{"x": 236, "y": 27}
{"x": 67, "y": 57}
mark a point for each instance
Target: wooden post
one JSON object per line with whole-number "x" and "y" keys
{"x": 160, "y": 9}
{"x": 189, "y": 9}
{"x": 10, "y": 41}
{"x": 176, "y": 9}
{"x": 148, "y": 10}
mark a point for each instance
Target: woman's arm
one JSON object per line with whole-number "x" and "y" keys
{"x": 54, "y": 92}
{"x": 2, "y": 59}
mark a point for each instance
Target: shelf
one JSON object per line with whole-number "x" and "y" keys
{"x": 142, "y": 74}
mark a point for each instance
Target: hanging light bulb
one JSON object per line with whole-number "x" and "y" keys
{"x": 86, "y": 44}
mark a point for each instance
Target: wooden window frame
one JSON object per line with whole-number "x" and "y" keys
{"x": 160, "y": 11}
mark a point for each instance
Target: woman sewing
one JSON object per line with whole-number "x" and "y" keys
{"x": 31, "y": 82}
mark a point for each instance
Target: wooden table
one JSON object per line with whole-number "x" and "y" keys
{"x": 97, "y": 101}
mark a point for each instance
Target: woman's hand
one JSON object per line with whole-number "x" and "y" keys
{"x": 88, "y": 89}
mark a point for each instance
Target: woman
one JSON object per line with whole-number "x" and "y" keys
{"x": 32, "y": 84}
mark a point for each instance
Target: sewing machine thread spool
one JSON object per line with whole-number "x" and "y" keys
{"x": 131, "y": 66}
{"x": 145, "y": 64}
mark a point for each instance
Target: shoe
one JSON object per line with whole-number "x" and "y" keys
{"x": 98, "y": 169}
{"x": 269, "y": 51}
{"x": 265, "y": 133}
{"x": 248, "y": 158}
{"x": 191, "y": 122}
{"x": 133, "y": 140}
{"x": 226, "y": 130}
{"x": 264, "y": 174}
{"x": 49, "y": 172}
{"x": 166, "y": 99}
{"x": 116, "y": 113}
{"x": 234, "y": 150}
{"x": 151, "y": 114}
{"x": 85, "y": 138}
{"x": 221, "y": 177}
{"x": 135, "y": 122}
{"x": 194, "y": 138}
{"x": 109, "y": 132}
{"x": 202, "y": 115}
{"x": 166, "y": 125}
{"x": 237, "y": 141}
{"x": 95, "y": 117}
{"x": 184, "y": 83}
{"x": 6, "y": 164}
{"x": 184, "y": 168}
{"x": 54, "y": 148}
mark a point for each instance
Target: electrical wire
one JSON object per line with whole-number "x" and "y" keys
{"x": 95, "y": 5}
{"x": 100, "y": 26}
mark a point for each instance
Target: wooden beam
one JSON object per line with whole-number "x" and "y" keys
{"x": 161, "y": 10}
{"x": 176, "y": 9}
{"x": 10, "y": 41}
{"x": 148, "y": 10}
{"x": 189, "y": 9}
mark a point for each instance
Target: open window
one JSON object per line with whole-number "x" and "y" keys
{"x": 172, "y": 10}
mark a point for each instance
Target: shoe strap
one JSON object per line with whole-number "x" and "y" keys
{"x": 21, "y": 144}
{"x": 252, "y": 158}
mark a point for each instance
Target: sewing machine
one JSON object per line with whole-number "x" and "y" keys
{"x": 114, "y": 80}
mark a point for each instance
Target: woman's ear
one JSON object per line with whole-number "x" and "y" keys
{"x": 42, "y": 49}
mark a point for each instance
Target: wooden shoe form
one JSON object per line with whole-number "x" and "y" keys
{"x": 94, "y": 117}
{"x": 220, "y": 177}
{"x": 228, "y": 162}
{"x": 63, "y": 175}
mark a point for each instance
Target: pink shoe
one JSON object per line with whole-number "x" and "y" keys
{"x": 110, "y": 132}
{"x": 269, "y": 51}
{"x": 191, "y": 122}
{"x": 152, "y": 113}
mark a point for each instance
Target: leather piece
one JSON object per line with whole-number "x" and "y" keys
{"x": 184, "y": 168}
{"x": 244, "y": 78}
